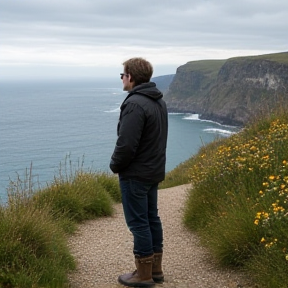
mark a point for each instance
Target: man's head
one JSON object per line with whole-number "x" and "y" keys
{"x": 136, "y": 71}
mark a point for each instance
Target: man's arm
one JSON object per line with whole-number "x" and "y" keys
{"x": 130, "y": 131}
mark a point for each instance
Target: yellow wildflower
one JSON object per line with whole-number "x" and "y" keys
{"x": 253, "y": 148}
{"x": 258, "y": 215}
{"x": 269, "y": 245}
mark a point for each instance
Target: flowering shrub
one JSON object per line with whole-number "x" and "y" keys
{"x": 239, "y": 199}
{"x": 276, "y": 190}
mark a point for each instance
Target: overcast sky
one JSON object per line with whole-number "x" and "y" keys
{"x": 43, "y": 38}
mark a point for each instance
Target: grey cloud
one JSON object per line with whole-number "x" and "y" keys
{"x": 182, "y": 24}
{"x": 154, "y": 22}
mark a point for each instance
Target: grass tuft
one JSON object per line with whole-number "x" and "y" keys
{"x": 33, "y": 248}
{"x": 35, "y": 224}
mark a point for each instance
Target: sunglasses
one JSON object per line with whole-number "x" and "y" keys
{"x": 123, "y": 74}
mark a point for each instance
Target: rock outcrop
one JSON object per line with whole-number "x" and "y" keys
{"x": 229, "y": 91}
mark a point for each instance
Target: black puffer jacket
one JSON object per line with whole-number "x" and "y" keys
{"x": 140, "y": 151}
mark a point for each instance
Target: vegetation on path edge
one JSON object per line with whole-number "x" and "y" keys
{"x": 238, "y": 203}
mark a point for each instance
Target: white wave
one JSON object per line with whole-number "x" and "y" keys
{"x": 113, "y": 110}
{"x": 196, "y": 117}
{"x": 192, "y": 117}
{"x": 119, "y": 92}
{"x": 219, "y": 131}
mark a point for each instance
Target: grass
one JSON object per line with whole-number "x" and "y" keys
{"x": 35, "y": 225}
{"x": 239, "y": 201}
{"x": 276, "y": 57}
{"x": 208, "y": 67}
{"x": 33, "y": 249}
{"x": 178, "y": 176}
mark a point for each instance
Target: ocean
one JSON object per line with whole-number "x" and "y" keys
{"x": 44, "y": 124}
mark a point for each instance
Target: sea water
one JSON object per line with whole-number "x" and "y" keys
{"x": 42, "y": 124}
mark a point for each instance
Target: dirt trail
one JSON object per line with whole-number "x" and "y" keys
{"x": 103, "y": 249}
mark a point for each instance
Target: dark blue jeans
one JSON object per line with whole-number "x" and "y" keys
{"x": 139, "y": 201}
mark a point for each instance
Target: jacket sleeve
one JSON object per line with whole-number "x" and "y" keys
{"x": 130, "y": 130}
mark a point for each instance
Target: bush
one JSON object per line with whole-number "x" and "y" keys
{"x": 35, "y": 222}
{"x": 80, "y": 198}
{"x": 232, "y": 236}
{"x": 239, "y": 200}
{"x": 33, "y": 249}
{"x": 111, "y": 184}
{"x": 269, "y": 268}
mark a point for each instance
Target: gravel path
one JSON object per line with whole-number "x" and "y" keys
{"x": 103, "y": 249}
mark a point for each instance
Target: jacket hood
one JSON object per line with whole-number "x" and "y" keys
{"x": 147, "y": 89}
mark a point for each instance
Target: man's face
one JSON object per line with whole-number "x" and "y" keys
{"x": 127, "y": 84}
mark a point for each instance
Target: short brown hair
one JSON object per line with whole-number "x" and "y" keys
{"x": 140, "y": 70}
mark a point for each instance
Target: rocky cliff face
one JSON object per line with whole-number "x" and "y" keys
{"x": 191, "y": 85}
{"x": 232, "y": 91}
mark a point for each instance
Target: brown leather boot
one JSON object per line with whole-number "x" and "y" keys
{"x": 157, "y": 273}
{"x": 142, "y": 277}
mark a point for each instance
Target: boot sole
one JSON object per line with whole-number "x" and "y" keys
{"x": 159, "y": 280}
{"x": 138, "y": 284}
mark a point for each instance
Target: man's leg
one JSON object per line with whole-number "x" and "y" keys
{"x": 135, "y": 207}
{"x": 157, "y": 234}
{"x": 154, "y": 219}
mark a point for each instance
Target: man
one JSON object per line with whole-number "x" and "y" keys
{"x": 139, "y": 159}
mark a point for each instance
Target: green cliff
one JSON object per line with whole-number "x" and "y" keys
{"x": 229, "y": 91}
